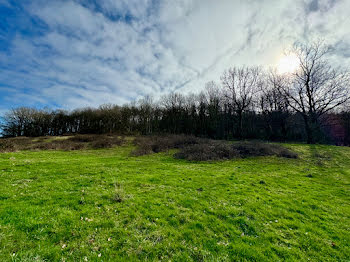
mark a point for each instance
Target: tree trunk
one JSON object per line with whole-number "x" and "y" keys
{"x": 240, "y": 124}
{"x": 309, "y": 131}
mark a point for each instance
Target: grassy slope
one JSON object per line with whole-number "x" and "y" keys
{"x": 65, "y": 206}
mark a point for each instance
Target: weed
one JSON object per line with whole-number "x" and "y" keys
{"x": 119, "y": 194}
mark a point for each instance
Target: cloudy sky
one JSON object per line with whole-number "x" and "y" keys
{"x": 76, "y": 53}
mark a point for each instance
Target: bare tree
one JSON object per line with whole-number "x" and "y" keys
{"x": 146, "y": 108}
{"x": 316, "y": 88}
{"x": 17, "y": 121}
{"x": 270, "y": 97}
{"x": 173, "y": 104}
{"x": 272, "y": 105}
{"x": 241, "y": 84}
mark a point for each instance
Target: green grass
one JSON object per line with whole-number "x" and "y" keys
{"x": 104, "y": 205}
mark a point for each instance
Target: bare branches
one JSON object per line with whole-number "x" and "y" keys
{"x": 271, "y": 98}
{"x": 241, "y": 84}
{"x": 316, "y": 87}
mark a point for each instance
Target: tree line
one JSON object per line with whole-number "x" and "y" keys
{"x": 308, "y": 105}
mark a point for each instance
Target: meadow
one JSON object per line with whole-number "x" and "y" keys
{"x": 109, "y": 205}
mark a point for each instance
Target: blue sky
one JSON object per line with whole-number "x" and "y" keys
{"x": 77, "y": 53}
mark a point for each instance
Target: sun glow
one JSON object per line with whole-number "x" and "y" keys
{"x": 288, "y": 64}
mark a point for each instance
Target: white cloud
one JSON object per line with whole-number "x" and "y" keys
{"x": 129, "y": 48}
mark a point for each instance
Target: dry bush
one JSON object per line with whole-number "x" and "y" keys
{"x": 98, "y": 141}
{"x": 224, "y": 150}
{"x": 40, "y": 139}
{"x": 208, "y": 151}
{"x": 65, "y": 145}
{"x": 197, "y": 149}
{"x": 156, "y": 144}
{"x": 21, "y": 140}
{"x": 142, "y": 150}
{"x": 247, "y": 149}
{"x": 77, "y": 142}
{"x": 106, "y": 142}
{"x": 14, "y": 144}
{"x": 286, "y": 153}
{"x": 7, "y": 145}
{"x": 83, "y": 138}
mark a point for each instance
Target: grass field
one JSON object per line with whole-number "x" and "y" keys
{"x": 105, "y": 205}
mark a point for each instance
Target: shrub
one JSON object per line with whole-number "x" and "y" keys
{"x": 197, "y": 149}
{"x": 98, "y": 141}
{"x": 287, "y": 153}
{"x": 106, "y": 142}
{"x": 156, "y": 144}
{"x": 102, "y": 143}
{"x": 59, "y": 145}
{"x": 7, "y": 145}
{"x": 208, "y": 151}
{"x": 247, "y": 149}
{"x": 83, "y": 138}
{"x": 14, "y": 144}
{"x": 77, "y": 142}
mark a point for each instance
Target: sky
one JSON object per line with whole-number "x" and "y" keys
{"x": 78, "y": 53}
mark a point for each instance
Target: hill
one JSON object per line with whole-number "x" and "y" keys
{"x": 107, "y": 204}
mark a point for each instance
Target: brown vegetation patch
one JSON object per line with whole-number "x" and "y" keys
{"x": 247, "y": 149}
{"x": 197, "y": 149}
{"x": 77, "y": 142}
{"x": 156, "y": 144}
{"x": 7, "y": 145}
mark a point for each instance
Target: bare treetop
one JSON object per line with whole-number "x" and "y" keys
{"x": 316, "y": 87}
{"x": 241, "y": 83}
